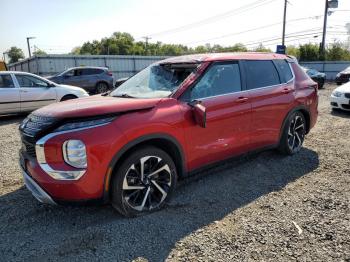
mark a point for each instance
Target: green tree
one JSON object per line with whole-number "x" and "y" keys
{"x": 293, "y": 51}
{"x": 15, "y": 54}
{"x": 39, "y": 52}
{"x": 336, "y": 52}
{"x": 262, "y": 48}
{"x": 309, "y": 52}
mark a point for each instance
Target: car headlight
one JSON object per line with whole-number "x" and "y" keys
{"x": 338, "y": 75}
{"x": 85, "y": 124}
{"x": 74, "y": 153}
{"x": 337, "y": 94}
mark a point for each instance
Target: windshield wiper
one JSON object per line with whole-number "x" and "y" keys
{"x": 124, "y": 95}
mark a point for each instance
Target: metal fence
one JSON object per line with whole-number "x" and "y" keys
{"x": 119, "y": 65}
{"x": 125, "y": 66}
{"x": 331, "y": 68}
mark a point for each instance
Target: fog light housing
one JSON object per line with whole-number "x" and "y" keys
{"x": 74, "y": 153}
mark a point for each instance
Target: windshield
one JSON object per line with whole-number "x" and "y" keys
{"x": 155, "y": 81}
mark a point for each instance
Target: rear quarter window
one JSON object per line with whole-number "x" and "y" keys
{"x": 284, "y": 70}
{"x": 261, "y": 73}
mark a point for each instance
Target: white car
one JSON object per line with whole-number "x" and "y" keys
{"x": 25, "y": 92}
{"x": 340, "y": 97}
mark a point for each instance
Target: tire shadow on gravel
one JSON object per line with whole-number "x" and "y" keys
{"x": 340, "y": 113}
{"x": 11, "y": 119}
{"x": 35, "y": 232}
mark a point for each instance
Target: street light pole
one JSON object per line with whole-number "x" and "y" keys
{"x": 28, "y": 38}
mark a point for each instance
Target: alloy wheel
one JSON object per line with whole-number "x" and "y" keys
{"x": 296, "y": 133}
{"x": 147, "y": 183}
{"x": 102, "y": 88}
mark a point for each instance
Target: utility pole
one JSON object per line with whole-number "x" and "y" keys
{"x": 146, "y": 41}
{"x": 284, "y": 22}
{"x": 323, "y": 43}
{"x": 328, "y": 4}
{"x": 28, "y": 38}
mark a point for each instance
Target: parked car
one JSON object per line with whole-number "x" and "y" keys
{"x": 24, "y": 92}
{"x": 318, "y": 77}
{"x": 343, "y": 76}
{"x": 120, "y": 81}
{"x": 174, "y": 117}
{"x": 95, "y": 80}
{"x": 340, "y": 97}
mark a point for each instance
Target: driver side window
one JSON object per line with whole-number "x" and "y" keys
{"x": 30, "y": 81}
{"x": 220, "y": 79}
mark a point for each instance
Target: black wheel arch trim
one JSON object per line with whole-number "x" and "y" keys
{"x": 301, "y": 108}
{"x": 138, "y": 141}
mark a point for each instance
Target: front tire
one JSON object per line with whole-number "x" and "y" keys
{"x": 293, "y": 134}
{"x": 101, "y": 88}
{"x": 144, "y": 182}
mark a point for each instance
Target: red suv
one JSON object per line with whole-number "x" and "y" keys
{"x": 130, "y": 146}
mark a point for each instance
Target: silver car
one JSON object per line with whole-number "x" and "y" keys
{"x": 25, "y": 92}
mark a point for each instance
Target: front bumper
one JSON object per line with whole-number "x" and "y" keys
{"x": 36, "y": 190}
{"x": 340, "y": 102}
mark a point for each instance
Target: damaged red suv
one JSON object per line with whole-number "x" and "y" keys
{"x": 129, "y": 147}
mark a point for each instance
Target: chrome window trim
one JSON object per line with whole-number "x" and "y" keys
{"x": 41, "y": 158}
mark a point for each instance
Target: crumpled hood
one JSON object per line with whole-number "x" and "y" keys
{"x": 95, "y": 105}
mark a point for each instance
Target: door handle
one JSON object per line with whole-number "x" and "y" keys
{"x": 286, "y": 90}
{"x": 241, "y": 99}
{"x": 23, "y": 91}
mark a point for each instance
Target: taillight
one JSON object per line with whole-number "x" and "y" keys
{"x": 109, "y": 73}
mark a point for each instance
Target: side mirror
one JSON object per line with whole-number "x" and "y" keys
{"x": 199, "y": 113}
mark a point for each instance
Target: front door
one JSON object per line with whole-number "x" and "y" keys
{"x": 34, "y": 92}
{"x": 9, "y": 95}
{"x": 228, "y": 116}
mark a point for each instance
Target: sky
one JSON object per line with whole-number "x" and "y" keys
{"x": 60, "y": 25}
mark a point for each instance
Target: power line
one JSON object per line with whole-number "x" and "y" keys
{"x": 254, "y": 29}
{"x": 215, "y": 18}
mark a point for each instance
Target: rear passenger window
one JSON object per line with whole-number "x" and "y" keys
{"x": 92, "y": 71}
{"x": 261, "y": 73}
{"x": 220, "y": 79}
{"x": 6, "y": 81}
{"x": 284, "y": 70}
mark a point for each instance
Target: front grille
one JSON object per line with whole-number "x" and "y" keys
{"x": 34, "y": 124}
{"x": 344, "y": 76}
{"x": 347, "y": 95}
{"x": 29, "y": 148}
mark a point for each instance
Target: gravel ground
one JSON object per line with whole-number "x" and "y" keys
{"x": 264, "y": 207}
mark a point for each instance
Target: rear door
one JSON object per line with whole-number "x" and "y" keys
{"x": 228, "y": 116}
{"x": 34, "y": 92}
{"x": 271, "y": 90}
{"x": 90, "y": 77}
{"x": 9, "y": 95}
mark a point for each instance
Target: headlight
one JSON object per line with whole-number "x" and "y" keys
{"x": 74, "y": 153}
{"x": 338, "y": 75}
{"x": 85, "y": 124}
{"x": 337, "y": 94}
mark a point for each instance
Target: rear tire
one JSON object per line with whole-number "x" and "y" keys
{"x": 68, "y": 97}
{"x": 293, "y": 134}
{"x": 144, "y": 182}
{"x": 101, "y": 88}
